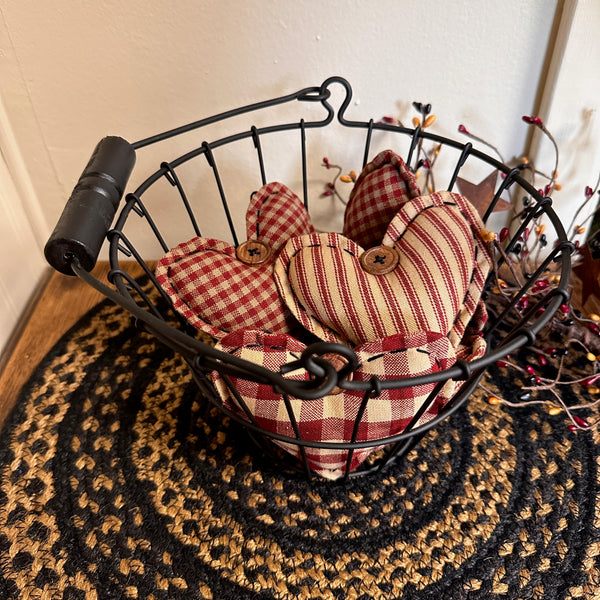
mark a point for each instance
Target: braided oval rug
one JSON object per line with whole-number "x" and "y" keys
{"x": 119, "y": 481}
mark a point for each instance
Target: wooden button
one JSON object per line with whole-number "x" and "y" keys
{"x": 253, "y": 252}
{"x": 379, "y": 260}
{"x": 338, "y": 362}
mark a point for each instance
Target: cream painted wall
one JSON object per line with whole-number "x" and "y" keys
{"x": 573, "y": 117}
{"x": 21, "y": 231}
{"x": 72, "y": 72}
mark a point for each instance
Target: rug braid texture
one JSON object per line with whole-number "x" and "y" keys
{"x": 117, "y": 480}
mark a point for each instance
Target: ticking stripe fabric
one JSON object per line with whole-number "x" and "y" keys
{"x": 332, "y": 418}
{"x": 452, "y": 225}
{"x": 215, "y": 291}
{"x": 435, "y": 287}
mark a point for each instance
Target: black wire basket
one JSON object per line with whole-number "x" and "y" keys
{"x": 86, "y": 222}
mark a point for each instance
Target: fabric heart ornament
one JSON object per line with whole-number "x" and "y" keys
{"x": 381, "y": 189}
{"x": 333, "y": 417}
{"x": 219, "y": 288}
{"x": 427, "y": 276}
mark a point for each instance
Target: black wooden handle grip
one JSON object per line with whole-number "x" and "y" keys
{"x": 90, "y": 210}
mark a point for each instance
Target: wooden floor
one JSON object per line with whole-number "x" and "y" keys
{"x": 61, "y": 302}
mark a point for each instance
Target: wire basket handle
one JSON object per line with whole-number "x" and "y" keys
{"x": 90, "y": 210}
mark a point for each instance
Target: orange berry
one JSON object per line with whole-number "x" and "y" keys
{"x": 430, "y": 120}
{"x": 488, "y": 236}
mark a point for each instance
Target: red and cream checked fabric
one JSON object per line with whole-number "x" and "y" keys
{"x": 332, "y": 418}
{"x": 275, "y": 214}
{"x": 320, "y": 277}
{"x": 384, "y": 185}
{"x": 218, "y": 293}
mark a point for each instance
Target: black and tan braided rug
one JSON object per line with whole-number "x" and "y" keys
{"x": 119, "y": 481}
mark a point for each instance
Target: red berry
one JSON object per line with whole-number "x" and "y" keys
{"x": 581, "y": 422}
{"x": 532, "y": 120}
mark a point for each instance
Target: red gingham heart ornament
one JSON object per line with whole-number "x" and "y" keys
{"x": 216, "y": 290}
{"x": 442, "y": 264}
{"x": 332, "y": 417}
{"x": 381, "y": 189}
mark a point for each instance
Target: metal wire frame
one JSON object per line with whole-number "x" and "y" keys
{"x": 203, "y": 358}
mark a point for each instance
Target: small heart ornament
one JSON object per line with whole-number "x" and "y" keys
{"x": 381, "y": 189}
{"x": 219, "y": 288}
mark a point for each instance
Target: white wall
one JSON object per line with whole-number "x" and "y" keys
{"x": 572, "y": 115}
{"x": 21, "y": 232}
{"x": 73, "y": 72}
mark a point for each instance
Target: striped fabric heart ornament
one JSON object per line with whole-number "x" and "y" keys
{"x": 381, "y": 189}
{"x": 426, "y": 276}
{"x": 219, "y": 288}
{"x": 332, "y": 418}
